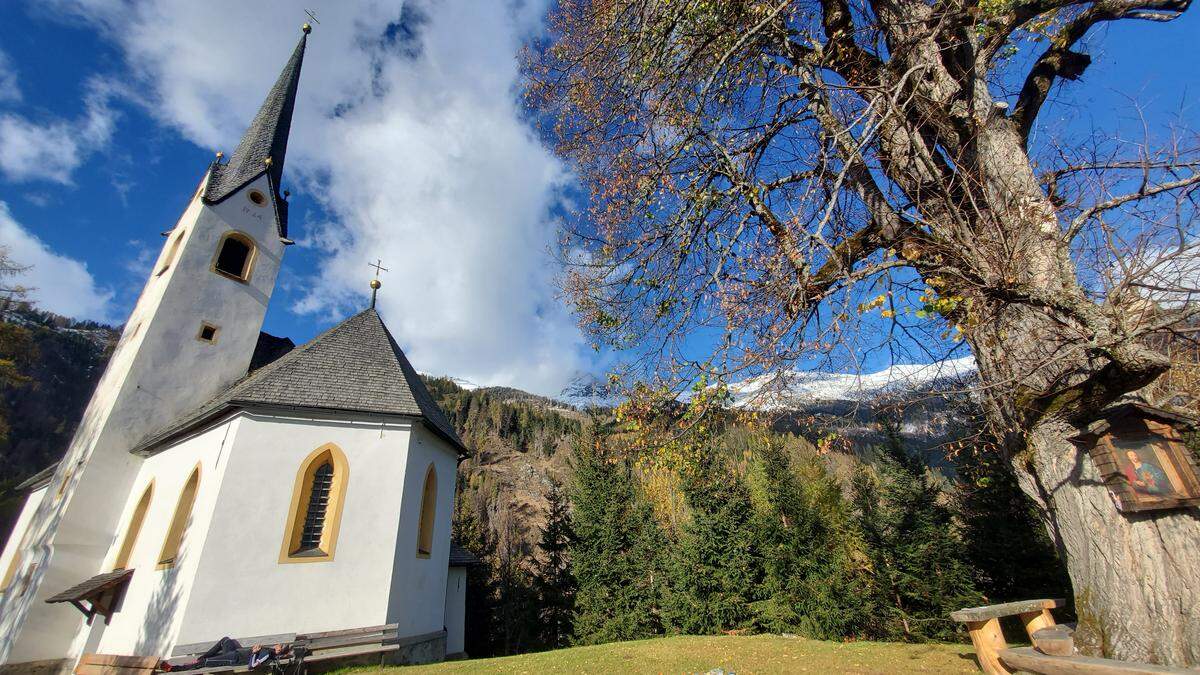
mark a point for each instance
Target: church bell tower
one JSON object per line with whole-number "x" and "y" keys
{"x": 191, "y": 334}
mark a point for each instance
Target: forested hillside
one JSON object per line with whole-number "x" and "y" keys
{"x": 607, "y": 528}
{"x": 49, "y": 366}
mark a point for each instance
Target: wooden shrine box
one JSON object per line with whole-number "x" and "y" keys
{"x": 1140, "y": 451}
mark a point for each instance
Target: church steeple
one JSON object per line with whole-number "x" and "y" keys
{"x": 264, "y": 145}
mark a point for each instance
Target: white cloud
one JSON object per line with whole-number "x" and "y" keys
{"x": 1168, "y": 275}
{"x": 57, "y": 283}
{"x": 9, "y": 90}
{"x": 53, "y": 150}
{"x": 416, "y": 148}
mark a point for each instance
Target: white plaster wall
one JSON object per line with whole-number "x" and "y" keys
{"x": 456, "y": 610}
{"x": 418, "y": 585}
{"x": 158, "y": 372}
{"x": 243, "y": 590}
{"x": 151, "y": 611}
{"x": 32, "y": 500}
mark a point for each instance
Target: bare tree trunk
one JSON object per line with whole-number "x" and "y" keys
{"x": 1136, "y": 576}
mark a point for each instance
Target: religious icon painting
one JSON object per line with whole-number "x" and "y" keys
{"x": 1140, "y": 452}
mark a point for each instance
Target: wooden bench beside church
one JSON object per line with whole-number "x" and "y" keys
{"x": 311, "y": 652}
{"x": 1052, "y": 652}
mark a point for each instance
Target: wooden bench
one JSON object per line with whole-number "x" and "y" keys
{"x": 338, "y": 646}
{"x": 111, "y": 664}
{"x": 997, "y": 658}
{"x": 351, "y": 646}
{"x": 189, "y": 652}
{"x": 197, "y": 648}
{"x": 983, "y": 624}
{"x": 1033, "y": 661}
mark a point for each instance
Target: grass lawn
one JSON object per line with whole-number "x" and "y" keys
{"x": 700, "y": 654}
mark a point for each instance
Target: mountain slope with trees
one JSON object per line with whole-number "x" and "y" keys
{"x": 49, "y": 366}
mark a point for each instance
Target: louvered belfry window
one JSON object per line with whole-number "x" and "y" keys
{"x": 318, "y": 505}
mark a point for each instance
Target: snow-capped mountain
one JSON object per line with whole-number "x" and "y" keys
{"x": 800, "y": 390}
{"x": 796, "y": 389}
{"x": 589, "y": 391}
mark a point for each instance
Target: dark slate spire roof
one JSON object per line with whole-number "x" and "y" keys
{"x": 266, "y": 138}
{"x": 356, "y": 366}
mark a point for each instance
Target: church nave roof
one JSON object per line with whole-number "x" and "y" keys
{"x": 356, "y": 366}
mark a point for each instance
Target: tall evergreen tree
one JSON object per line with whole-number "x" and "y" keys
{"x": 715, "y": 570}
{"x": 919, "y": 559}
{"x": 616, "y": 551}
{"x": 516, "y": 608}
{"x": 1006, "y": 542}
{"x": 554, "y": 580}
{"x": 813, "y": 582}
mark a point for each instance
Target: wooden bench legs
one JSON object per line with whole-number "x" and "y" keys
{"x": 989, "y": 641}
{"x": 983, "y": 623}
{"x": 1035, "y": 621}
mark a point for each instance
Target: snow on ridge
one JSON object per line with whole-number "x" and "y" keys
{"x": 792, "y": 388}
{"x": 464, "y": 384}
{"x": 789, "y": 389}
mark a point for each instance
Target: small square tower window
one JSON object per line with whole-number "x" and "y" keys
{"x": 208, "y": 333}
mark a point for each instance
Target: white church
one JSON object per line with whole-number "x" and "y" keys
{"x": 222, "y": 484}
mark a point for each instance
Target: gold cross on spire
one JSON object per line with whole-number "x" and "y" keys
{"x": 306, "y": 27}
{"x": 375, "y": 283}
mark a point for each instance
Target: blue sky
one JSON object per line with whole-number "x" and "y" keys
{"x": 412, "y": 149}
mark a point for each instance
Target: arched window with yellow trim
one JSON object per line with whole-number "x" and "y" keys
{"x": 179, "y": 521}
{"x": 172, "y": 250}
{"x": 134, "y": 528}
{"x": 428, "y": 513}
{"x": 235, "y": 256}
{"x": 315, "y": 513}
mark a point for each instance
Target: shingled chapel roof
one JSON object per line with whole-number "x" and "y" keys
{"x": 356, "y": 366}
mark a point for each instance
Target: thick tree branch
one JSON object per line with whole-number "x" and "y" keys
{"x": 1060, "y": 61}
{"x": 844, "y": 55}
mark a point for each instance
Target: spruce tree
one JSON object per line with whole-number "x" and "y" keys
{"x": 715, "y": 570}
{"x": 1006, "y": 542}
{"x": 615, "y": 551}
{"x": 516, "y": 602}
{"x": 812, "y": 581}
{"x": 554, "y": 580}
{"x": 918, "y": 556}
